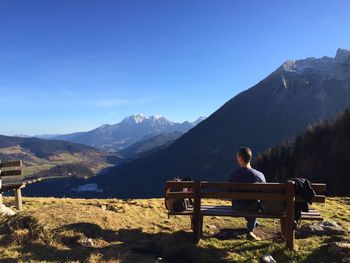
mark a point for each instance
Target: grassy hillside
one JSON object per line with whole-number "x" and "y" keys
{"x": 115, "y": 230}
{"x": 41, "y": 155}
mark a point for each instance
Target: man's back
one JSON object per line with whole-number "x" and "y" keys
{"x": 246, "y": 175}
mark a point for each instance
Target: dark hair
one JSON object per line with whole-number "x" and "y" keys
{"x": 245, "y": 153}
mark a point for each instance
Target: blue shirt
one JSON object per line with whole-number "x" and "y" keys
{"x": 246, "y": 175}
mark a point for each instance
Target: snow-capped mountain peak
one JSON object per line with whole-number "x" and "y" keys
{"x": 135, "y": 118}
{"x": 139, "y": 117}
{"x": 324, "y": 67}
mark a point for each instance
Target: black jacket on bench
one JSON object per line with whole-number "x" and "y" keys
{"x": 304, "y": 189}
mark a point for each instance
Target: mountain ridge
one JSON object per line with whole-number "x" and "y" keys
{"x": 115, "y": 137}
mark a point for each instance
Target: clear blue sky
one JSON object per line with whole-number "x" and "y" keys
{"x": 73, "y": 65}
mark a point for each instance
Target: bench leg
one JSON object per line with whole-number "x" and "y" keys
{"x": 283, "y": 227}
{"x": 0, "y": 191}
{"x": 289, "y": 224}
{"x": 290, "y": 238}
{"x": 196, "y": 229}
{"x": 18, "y": 196}
{"x": 201, "y": 226}
{"x": 290, "y": 234}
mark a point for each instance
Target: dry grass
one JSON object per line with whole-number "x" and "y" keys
{"x": 114, "y": 230}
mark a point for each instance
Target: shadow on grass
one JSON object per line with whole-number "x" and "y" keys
{"x": 90, "y": 231}
{"x": 8, "y": 260}
{"x": 125, "y": 245}
{"x": 229, "y": 233}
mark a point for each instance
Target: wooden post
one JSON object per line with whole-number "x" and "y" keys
{"x": 197, "y": 212}
{"x": 18, "y": 196}
{"x": 283, "y": 227}
{"x": 289, "y": 226}
{"x": 201, "y": 226}
{"x": 0, "y": 188}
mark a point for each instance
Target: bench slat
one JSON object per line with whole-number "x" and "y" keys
{"x": 207, "y": 210}
{"x": 245, "y": 196}
{"x": 181, "y": 184}
{"x": 319, "y": 188}
{"x": 316, "y": 199}
{"x": 244, "y": 186}
{"x": 12, "y": 186}
{"x": 312, "y": 211}
{"x": 11, "y": 173}
{"x": 10, "y": 164}
{"x": 179, "y": 195}
{"x": 213, "y": 212}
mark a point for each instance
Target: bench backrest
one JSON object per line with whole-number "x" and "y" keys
{"x": 10, "y": 168}
{"x": 243, "y": 191}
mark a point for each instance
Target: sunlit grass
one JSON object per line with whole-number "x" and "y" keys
{"x": 140, "y": 231}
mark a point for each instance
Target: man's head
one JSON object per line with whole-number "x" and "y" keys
{"x": 244, "y": 156}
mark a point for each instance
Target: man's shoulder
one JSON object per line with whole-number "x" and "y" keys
{"x": 259, "y": 174}
{"x": 256, "y": 171}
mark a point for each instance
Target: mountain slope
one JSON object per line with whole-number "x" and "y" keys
{"x": 121, "y": 135}
{"x": 43, "y": 148}
{"x": 150, "y": 143}
{"x": 321, "y": 153}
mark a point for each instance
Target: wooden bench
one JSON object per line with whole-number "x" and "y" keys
{"x": 284, "y": 192}
{"x": 14, "y": 169}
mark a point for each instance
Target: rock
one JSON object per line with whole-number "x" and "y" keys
{"x": 212, "y": 227}
{"x": 340, "y": 250}
{"x": 267, "y": 259}
{"x": 87, "y": 242}
{"x": 103, "y": 207}
{"x": 328, "y": 228}
{"x": 342, "y": 55}
{"x": 4, "y": 210}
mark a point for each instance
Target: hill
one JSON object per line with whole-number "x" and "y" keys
{"x": 321, "y": 153}
{"x": 130, "y": 231}
{"x": 277, "y": 108}
{"x": 41, "y": 155}
{"x": 149, "y": 144}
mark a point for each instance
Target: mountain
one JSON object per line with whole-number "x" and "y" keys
{"x": 46, "y": 136}
{"x": 279, "y": 107}
{"x": 131, "y": 129}
{"x": 40, "y": 155}
{"x": 149, "y": 144}
{"x": 321, "y": 154}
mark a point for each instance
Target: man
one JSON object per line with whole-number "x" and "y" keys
{"x": 246, "y": 174}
